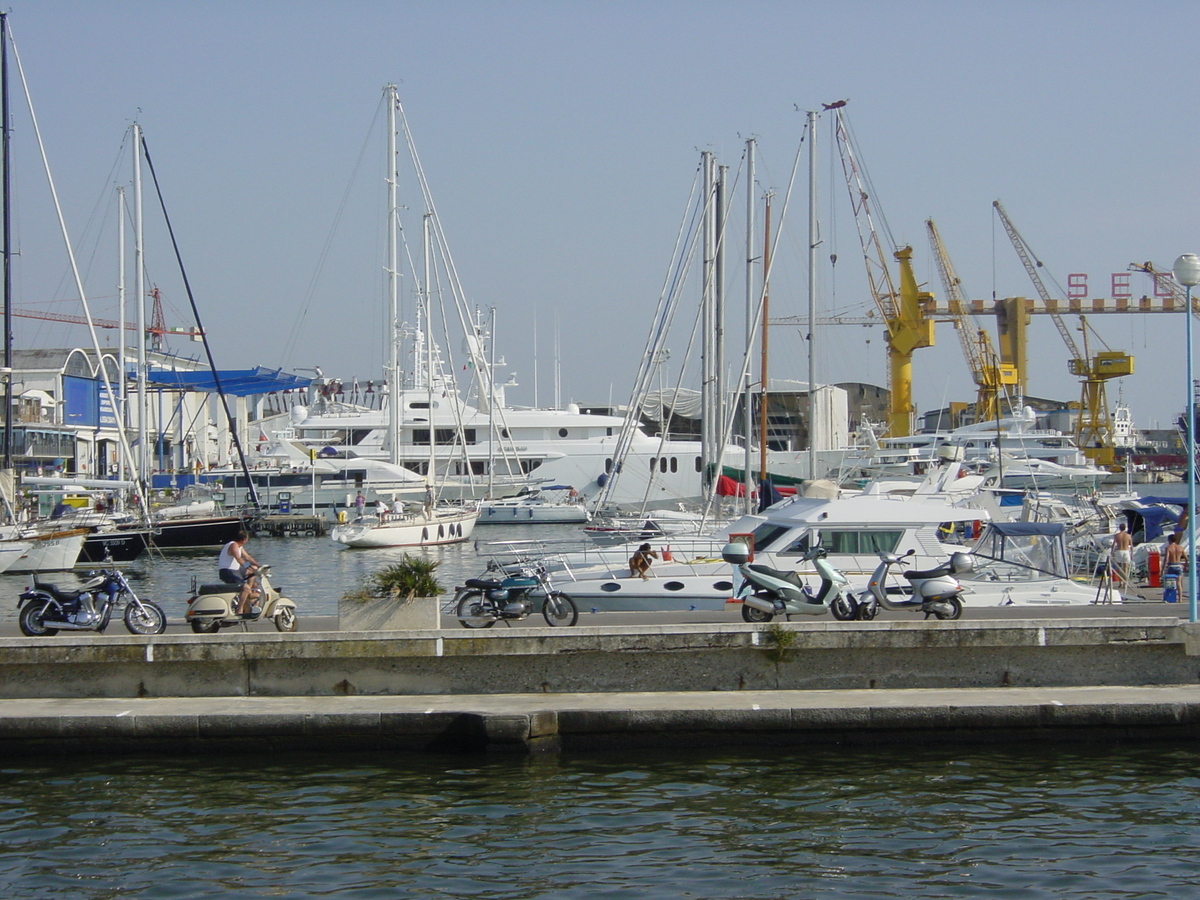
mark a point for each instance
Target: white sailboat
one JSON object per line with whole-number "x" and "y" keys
{"x": 412, "y": 525}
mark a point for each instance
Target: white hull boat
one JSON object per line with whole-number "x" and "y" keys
{"x": 55, "y": 551}
{"x": 535, "y": 508}
{"x": 1025, "y": 564}
{"x": 691, "y": 575}
{"x": 424, "y": 529}
{"x": 12, "y": 551}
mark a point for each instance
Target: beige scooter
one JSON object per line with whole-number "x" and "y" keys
{"x": 214, "y": 606}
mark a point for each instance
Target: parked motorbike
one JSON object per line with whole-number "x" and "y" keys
{"x": 935, "y": 592}
{"x": 47, "y": 609}
{"x": 766, "y": 593}
{"x": 511, "y": 591}
{"x": 214, "y": 606}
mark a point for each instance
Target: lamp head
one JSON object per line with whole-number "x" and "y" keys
{"x": 1187, "y": 270}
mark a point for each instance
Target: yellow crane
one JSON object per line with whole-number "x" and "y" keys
{"x": 989, "y": 374}
{"x": 902, "y": 309}
{"x": 1093, "y": 428}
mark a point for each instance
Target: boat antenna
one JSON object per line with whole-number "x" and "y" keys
{"x": 251, "y": 493}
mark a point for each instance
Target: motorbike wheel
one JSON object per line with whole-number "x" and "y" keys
{"x": 30, "y": 620}
{"x": 956, "y": 609}
{"x": 285, "y": 619}
{"x": 559, "y": 609}
{"x": 200, "y": 627}
{"x": 866, "y": 611}
{"x": 473, "y": 611}
{"x": 755, "y": 616}
{"x": 147, "y": 619}
{"x": 844, "y": 609}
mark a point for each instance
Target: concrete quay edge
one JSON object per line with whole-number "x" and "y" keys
{"x": 620, "y": 659}
{"x": 596, "y": 721}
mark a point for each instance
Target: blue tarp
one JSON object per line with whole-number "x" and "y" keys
{"x": 235, "y": 382}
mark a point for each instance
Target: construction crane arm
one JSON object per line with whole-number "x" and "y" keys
{"x": 952, "y": 284}
{"x": 1031, "y": 266}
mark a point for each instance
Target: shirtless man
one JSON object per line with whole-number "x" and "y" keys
{"x": 1122, "y": 552}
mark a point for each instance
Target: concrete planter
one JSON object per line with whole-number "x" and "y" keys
{"x": 388, "y": 614}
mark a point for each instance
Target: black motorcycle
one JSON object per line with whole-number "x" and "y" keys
{"x": 46, "y": 609}
{"x": 510, "y": 591}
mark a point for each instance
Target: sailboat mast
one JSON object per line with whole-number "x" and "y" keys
{"x": 122, "y": 412}
{"x": 393, "y": 284}
{"x": 764, "y": 386}
{"x": 139, "y": 290}
{"x": 812, "y": 294}
{"x": 751, "y": 303}
{"x": 708, "y": 324}
{"x": 7, "y": 215}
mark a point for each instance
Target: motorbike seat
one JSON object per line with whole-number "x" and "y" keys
{"x": 939, "y": 572}
{"x": 781, "y": 574}
{"x": 55, "y": 591}
{"x": 484, "y": 584}
{"x": 217, "y": 589}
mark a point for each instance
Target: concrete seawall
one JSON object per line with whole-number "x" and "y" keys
{"x": 797, "y": 656}
{"x": 603, "y": 686}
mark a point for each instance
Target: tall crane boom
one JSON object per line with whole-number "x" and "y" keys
{"x": 1032, "y": 264}
{"x": 1093, "y": 428}
{"x": 989, "y": 375}
{"x": 908, "y": 328}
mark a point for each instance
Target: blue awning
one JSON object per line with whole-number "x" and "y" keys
{"x": 236, "y": 382}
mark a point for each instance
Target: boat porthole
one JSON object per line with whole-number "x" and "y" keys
{"x": 674, "y": 586}
{"x": 610, "y": 586}
{"x": 722, "y": 585}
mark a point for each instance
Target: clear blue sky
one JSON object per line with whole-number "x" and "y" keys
{"x": 560, "y": 141}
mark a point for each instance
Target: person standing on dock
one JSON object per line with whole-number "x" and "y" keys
{"x": 1122, "y": 553}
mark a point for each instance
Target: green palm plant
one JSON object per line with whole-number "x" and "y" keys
{"x": 412, "y": 577}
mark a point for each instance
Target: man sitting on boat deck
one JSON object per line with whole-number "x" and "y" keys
{"x": 639, "y": 563}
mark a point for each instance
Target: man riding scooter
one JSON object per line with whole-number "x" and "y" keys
{"x": 237, "y": 566}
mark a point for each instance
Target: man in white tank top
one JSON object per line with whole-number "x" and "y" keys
{"x": 236, "y": 566}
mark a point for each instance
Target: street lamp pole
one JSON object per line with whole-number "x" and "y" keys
{"x": 1187, "y": 273}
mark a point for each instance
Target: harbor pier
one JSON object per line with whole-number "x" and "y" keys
{"x": 604, "y": 687}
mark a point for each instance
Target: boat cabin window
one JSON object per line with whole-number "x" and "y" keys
{"x": 767, "y": 534}
{"x": 860, "y": 542}
{"x": 797, "y": 546}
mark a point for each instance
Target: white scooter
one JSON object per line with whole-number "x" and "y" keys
{"x": 766, "y": 593}
{"x": 935, "y": 592}
{"x": 214, "y": 606}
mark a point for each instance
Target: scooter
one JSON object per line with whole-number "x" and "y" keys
{"x": 47, "y": 609}
{"x": 935, "y": 592}
{"x": 766, "y": 593}
{"x": 214, "y": 606}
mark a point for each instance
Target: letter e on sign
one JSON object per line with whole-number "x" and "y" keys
{"x": 1120, "y": 285}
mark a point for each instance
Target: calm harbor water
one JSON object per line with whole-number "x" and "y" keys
{"x": 1096, "y": 823}
{"x": 314, "y": 571}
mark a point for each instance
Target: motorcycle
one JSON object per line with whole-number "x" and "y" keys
{"x": 512, "y": 593}
{"x": 766, "y": 593}
{"x": 935, "y": 592}
{"x": 47, "y": 609}
{"x": 214, "y": 606}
